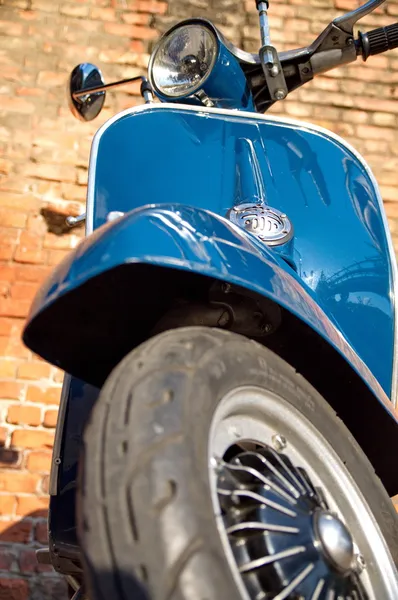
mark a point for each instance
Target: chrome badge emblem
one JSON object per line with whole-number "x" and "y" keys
{"x": 268, "y": 224}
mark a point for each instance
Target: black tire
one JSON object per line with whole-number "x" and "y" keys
{"x": 145, "y": 514}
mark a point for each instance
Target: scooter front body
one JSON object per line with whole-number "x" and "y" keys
{"x": 217, "y": 161}
{"x": 173, "y": 174}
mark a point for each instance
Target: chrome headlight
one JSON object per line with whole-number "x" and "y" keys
{"x": 183, "y": 60}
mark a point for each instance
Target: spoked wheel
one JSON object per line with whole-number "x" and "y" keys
{"x": 213, "y": 471}
{"x": 291, "y": 517}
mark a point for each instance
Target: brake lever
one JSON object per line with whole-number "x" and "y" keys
{"x": 346, "y": 22}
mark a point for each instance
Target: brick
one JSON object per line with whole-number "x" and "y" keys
{"x": 50, "y": 172}
{"x": 7, "y": 559}
{"x": 16, "y": 482}
{"x": 16, "y": 105}
{"x": 10, "y": 72}
{"x": 66, "y": 242}
{"x": 10, "y": 218}
{"x": 23, "y": 291}
{"x": 103, "y": 14}
{"x": 50, "y": 588}
{"x": 357, "y": 116}
{"x": 16, "y": 348}
{"x": 143, "y": 33}
{"x": 118, "y": 29}
{"x": 10, "y": 307}
{"x": 35, "y": 274}
{"x": 28, "y": 563}
{"x": 36, "y": 224}
{"x": 50, "y": 79}
{"x": 373, "y": 133}
{"x": 7, "y": 251}
{"x": 30, "y": 91}
{"x": 136, "y": 18}
{"x": 32, "y": 439}
{"x": 7, "y": 326}
{"x": 50, "y": 395}
{"x": 32, "y": 506}
{"x": 11, "y": 390}
{"x": 3, "y": 435}
{"x": 8, "y": 367}
{"x": 7, "y": 272}
{"x": 8, "y": 503}
{"x": 389, "y": 193}
{"x": 34, "y": 370}
{"x": 39, "y": 462}
{"x": 74, "y": 10}
{"x": 44, "y": 486}
{"x": 9, "y": 235}
{"x": 56, "y": 256}
{"x": 19, "y": 414}
{"x": 30, "y": 256}
{"x": 5, "y": 166}
{"x": 58, "y": 375}
{"x": 50, "y": 418}
{"x": 149, "y": 6}
{"x": 30, "y": 240}
{"x": 23, "y": 202}
{"x": 10, "y": 458}
{"x": 384, "y": 119}
{"x": 13, "y": 589}
{"x": 17, "y": 532}
{"x": 41, "y": 532}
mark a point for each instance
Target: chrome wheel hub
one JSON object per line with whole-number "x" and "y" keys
{"x": 335, "y": 541}
{"x": 276, "y": 519}
{"x": 293, "y": 523}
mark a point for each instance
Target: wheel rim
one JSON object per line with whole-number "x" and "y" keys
{"x": 292, "y": 520}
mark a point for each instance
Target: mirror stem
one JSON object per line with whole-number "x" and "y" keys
{"x": 108, "y": 86}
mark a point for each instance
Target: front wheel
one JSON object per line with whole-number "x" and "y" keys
{"x": 213, "y": 471}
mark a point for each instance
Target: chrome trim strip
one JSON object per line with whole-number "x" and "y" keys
{"x": 271, "y": 119}
{"x": 59, "y": 432}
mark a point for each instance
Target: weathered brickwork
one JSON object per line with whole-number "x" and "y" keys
{"x": 43, "y": 172}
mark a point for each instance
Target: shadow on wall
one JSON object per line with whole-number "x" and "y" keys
{"x": 21, "y": 576}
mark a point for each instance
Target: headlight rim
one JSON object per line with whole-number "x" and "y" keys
{"x": 200, "y": 23}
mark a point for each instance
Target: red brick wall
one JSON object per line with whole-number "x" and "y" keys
{"x": 43, "y": 172}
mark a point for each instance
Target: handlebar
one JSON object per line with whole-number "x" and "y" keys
{"x": 378, "y": 41}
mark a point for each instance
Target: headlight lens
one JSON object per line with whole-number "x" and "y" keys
{"x": 183, "y": 60}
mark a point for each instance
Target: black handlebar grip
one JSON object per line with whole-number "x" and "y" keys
{"x": 379, "y": 40}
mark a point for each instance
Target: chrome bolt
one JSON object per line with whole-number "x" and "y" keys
{"x": 234, "y": 431}
{"x": 279, "y": 442}
{"x": 224, "y": 319}
{"x": 274, "y": 71}
{"x": 280, "y": 94}
{"x": 226, "y": 288}
{"x": 216, "y": 463}
{"x": 115, "y": 214}
{"x": 359, "y": 563}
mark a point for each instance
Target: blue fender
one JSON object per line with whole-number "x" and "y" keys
{"x": 176, "y": 237}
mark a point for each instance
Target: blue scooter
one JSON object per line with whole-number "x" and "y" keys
{"x": 228, "y": 426}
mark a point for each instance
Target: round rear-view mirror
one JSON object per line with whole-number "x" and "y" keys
{"x": 87, "y": 106}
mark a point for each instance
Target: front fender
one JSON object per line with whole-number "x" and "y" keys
{"x": 87, "y": 315}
